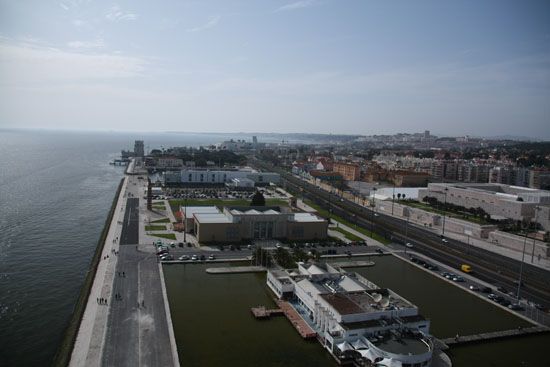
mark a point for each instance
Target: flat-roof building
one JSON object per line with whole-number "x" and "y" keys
{"x": 239, "y": 223}
{"x": 498, "y": 200}
{"x": 355, "y": 320}
{"x": 219, "y": 177}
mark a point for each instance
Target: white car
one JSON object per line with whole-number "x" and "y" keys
{"x": 194, "y": 257}
{"x": 444, "y": 240}
{"x": 409, "y": 245}
{"x": 211, "y": 257}
{"x": 183, "y": 257}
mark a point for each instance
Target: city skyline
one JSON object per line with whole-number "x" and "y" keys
{"x": 283, "y": 66}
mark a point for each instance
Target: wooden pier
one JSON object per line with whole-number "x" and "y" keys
{"x": 296, "y": 320}
{"x": 261, "y": 312}
{"x": 495, "y": 335}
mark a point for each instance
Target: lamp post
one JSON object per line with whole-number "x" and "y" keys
{"x": 393, "y": 198}
{"x": 373, "y": 207}
{"x": 537, "y": 208}
{"x": 184, "y": 221}
{"x": 521, "y": 266}
{"x": 444, "y": 211}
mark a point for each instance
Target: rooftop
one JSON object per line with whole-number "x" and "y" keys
{"x": 211, "y": 218}
{"x": 192, "y": 210}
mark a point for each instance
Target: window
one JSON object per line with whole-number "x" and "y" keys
{"x": 202, "y": 177}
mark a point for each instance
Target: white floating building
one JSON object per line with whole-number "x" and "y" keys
{"x": 355, "y": 320}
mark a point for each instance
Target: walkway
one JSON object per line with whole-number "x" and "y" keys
{"x": 296, "y": 320}
{"x": 495, "y": 335}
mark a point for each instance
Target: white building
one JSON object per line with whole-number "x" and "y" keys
{"x": 206, "y": 176}
{"x": 354, "y": 318}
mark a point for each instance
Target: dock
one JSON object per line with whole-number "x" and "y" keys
{"x": 296, "y": 320}
{"x": 353, "y": 264}
{"x": 261, "y": 312}
{"x": 236, "y": 270}
{"x": 495, "y": 335}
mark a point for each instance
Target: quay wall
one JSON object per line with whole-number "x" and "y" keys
{"x": 63, "y": 354}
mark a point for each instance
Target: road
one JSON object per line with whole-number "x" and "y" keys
{"x": 137, "y": 333}
{"x": 491, "y": 267}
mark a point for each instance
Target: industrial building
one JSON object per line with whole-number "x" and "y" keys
{"x": 238, "y": 223}
{"x": 198, "y": 177}
{"x": 498, "y": 200}
{"x": 354, "y": 319}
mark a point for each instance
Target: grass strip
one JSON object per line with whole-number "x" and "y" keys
{"x": 163, "y": 220}
{"x": 350, "y": 236}
{"x": 155, "y": 228}
{"x": 324, "y": 213}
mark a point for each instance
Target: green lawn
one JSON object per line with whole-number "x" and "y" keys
{"x": 349, "y": 236}
{"x": 155, "y": 228}
{"x": 169, "y": 236}
{"x": 366, "y": 232}
{"x": 176, "y": 203}
{"x": 163, "y": 220}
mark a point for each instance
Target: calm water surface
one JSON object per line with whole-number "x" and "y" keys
{"x": 55, "y": 191}
{"x": 214, "y": 327}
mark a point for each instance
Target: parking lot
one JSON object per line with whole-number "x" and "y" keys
{"x": 220, "y": 193}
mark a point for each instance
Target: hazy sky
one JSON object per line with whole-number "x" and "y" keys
{"x": 479, "y": 67}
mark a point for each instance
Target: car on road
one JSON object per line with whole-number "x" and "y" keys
{"x": 502, "y": 289}
{"x": 444, "y": 240}
{"x": 183, "y": 257}
{"x": 278, "y": 246}
{"x": 409, "y": 245}
{"x": 211, "y": 257}
{"x": 516, "y": 307}
{"x": 458, "y": 279}
{"x": 380, "y": 251}
{"x": 162, "y": 252}
{"x": 194, "y": 258}
{"x": 166, "y": 257}
{"x": 180, "y": 244}
{"x": 172, "y": 244}
{"x": 474, "y": 288}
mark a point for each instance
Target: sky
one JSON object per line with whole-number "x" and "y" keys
{"x": 465, "y": 67}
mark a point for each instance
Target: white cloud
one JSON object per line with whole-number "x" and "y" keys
{"x": 212, "y": 22}
{"x": 296, "y": 5}
{"x": 116, "y": 14}
{"x": 63, "y": 6}
{"x": 24, "y": 64}
{"x": 99, "y": 43}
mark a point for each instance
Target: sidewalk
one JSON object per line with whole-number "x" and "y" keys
{"x": 90, "y": 338}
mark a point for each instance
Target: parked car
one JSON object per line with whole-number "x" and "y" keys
{"x": 211, "y": 257}
{"x": 486, "y": 290}
{"x": 194, "y": 257}
{"x": 409, "y": 245}
{"x": 183, "y": 257}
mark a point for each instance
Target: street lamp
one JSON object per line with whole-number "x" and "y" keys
{"x": 444, "y": 211}
{"x": 537, "y": 208}
{"x": 521, "y": 266}
{"x": 393, "y": 198}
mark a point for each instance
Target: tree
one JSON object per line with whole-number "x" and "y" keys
{"x": 258, "y": 199}
{"x": 398, "y": 196}
{"x": 403, "y": 196}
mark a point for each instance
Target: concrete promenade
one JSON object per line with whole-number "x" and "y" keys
{"x": 132, "y": 326}
{"x": 89, "y": 340}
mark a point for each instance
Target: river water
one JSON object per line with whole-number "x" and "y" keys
{"x": 55, "y": 191}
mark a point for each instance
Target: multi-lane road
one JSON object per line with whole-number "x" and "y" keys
{"x": 489, "y": 266}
